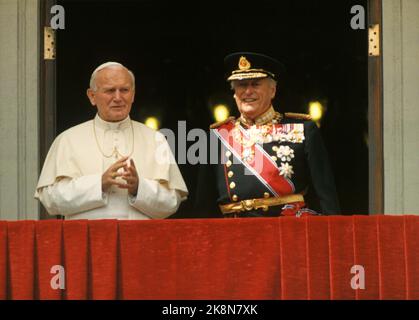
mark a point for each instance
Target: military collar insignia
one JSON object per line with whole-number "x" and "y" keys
{"x": 267, "y": 117}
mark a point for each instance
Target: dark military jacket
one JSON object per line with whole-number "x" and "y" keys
{"x": 297, "y": 148}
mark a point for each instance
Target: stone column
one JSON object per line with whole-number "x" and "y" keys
{"x": 401, "y": 106}
{"x": 19, "y": 105}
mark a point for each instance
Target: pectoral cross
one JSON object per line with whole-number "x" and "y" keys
{"x": 115, "y": 153}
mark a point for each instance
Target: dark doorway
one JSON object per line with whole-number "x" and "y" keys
{"x": 176, "y": 50}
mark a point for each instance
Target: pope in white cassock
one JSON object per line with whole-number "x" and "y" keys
{"x": 111, "y": 167}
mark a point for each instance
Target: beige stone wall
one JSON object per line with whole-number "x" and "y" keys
{"x": 401, "y": 106}
{"x": 19, "y": 105}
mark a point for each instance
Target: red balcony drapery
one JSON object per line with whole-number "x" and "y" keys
{"x": 257, "y": 258}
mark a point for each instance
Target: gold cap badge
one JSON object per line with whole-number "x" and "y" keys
{"x": 244, "y": 64}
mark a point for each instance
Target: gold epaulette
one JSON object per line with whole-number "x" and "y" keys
{"x": 220, "y": 123}
{"x": 301, "y": 116}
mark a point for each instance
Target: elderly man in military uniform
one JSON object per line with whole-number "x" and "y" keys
{"x": 268, "y": 159}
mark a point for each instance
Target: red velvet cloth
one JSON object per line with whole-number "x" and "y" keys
{"x": 246, "y": 258}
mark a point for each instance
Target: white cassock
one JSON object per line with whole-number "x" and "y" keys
{"x": 70, "y": 183}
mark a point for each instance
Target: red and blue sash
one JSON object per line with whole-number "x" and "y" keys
{"x": 261, "y": 166}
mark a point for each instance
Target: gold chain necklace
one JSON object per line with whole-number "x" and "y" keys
{"x": 115, "y": 151}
